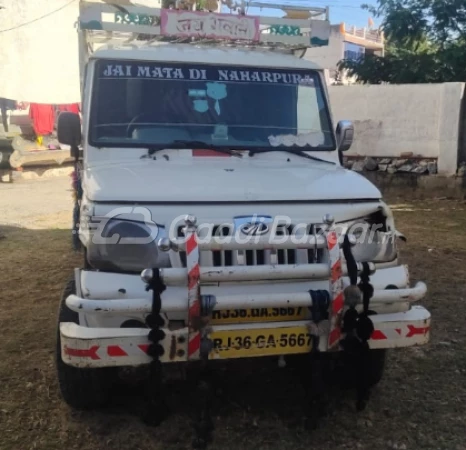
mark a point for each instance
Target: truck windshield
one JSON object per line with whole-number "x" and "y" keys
{"x": 169, "y": 105}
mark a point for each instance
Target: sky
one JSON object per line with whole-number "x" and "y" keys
{"x": 348, "y": 11}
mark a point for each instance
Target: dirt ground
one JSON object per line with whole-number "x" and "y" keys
{"x": 36, "y": 204}
{"x": 420, "y": 404}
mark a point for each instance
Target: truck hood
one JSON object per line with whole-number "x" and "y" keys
{"x": 225, "y": 180}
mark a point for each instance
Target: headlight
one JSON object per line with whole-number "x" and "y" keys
{"x": 374, "y": 246}
{"x": 125, "y": 245}
{"x": 373, "y": 242}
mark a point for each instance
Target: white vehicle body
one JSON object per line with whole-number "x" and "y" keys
{"x": 259, "y": 276}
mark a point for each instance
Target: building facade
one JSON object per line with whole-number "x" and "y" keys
{"x": 346, "y": 43}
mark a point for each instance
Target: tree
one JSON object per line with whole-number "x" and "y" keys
{"x": 426, "y": 43}
{"x": 185, "y": 4}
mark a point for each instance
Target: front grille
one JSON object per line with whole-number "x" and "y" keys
{"x": 254, "y": 257}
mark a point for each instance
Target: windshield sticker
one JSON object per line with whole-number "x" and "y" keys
{"x": 200, "y": 103}
{"x": 220, "y": 133}
{"x": 201, "y": 106}
{"x": 114, "y": 69}
{"x": 307, "y": 81}
{"x": 313, "y": 139}
{"x": 197, "y": 93}
{"x": 215, "y": 91}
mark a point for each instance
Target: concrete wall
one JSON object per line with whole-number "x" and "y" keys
{"x": 424, "y": 119}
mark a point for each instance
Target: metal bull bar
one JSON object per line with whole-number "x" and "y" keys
{"x": 194, "y": 275}
{"x": 260, "y": 243}
{"x": 142, "y": 305}
{"x": 173, "y": 277}
{"x": 186, "y": 297}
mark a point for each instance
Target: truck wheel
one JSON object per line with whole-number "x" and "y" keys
{"x": 80, "y": 388}
{"x": 376, "y": 366}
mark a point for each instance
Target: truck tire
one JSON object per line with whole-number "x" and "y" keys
{"x": 377, "y": 366}
{"x": 80, "y": 388}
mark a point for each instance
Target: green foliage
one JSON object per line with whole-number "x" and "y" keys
{"x": 200, "y": 4}
{"x": 426, "y": 43}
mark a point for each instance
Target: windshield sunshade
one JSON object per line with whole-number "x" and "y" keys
{"x": 139, "y": 104}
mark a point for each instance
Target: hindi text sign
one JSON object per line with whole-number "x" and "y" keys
{"x": 209, "y": 25}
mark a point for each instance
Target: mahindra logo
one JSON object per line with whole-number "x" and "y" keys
{"x": 254, "y": 228}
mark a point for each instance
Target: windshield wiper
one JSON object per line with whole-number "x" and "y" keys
{"x": 191, "y": 144}
{"x": 294, "y": 152}
{"x": 195, "y": 145}
{"x": 151, "y": 152}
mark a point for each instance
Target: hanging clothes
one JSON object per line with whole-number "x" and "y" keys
{"x": 43, "y": 117}
{"x": 73, "y": 107}
{"x": 6, "y": 105}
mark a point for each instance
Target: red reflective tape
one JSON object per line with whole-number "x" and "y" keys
{"x": 338, "y": 303}
{"x": 191, "y": 243}
{"x": 195, "y": 309}
{"x": 336, "y": 271}
{"x": 332, "y": 240}
{"x": 201, "y": 152}
{"x": 144, "y": 347}
{"x": 194, "y": 305}
{"x": 116, "y": 350}
{"x": 193, "y": 277}
{"x": 336, "y": 289}
{"x": 415, "y": 331}
{"x": 377, "y": 335}
{"x": 334, "y": 337}
{"x": 194, "y": 312}
{"x": 194, "y": 344}
{"x": 83, "y": 353}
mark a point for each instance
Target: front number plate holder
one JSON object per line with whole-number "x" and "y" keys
{"x": 288, "y": 314}
{"x": 247, "y": 343}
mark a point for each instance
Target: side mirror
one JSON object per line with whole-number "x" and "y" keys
{"x": 69, "y": 131}
{"x": 345, "y": 135}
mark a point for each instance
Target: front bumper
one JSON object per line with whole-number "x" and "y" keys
{"x": 106, "y": 300}
{"x": 256, "y": 298}
{"x": 86, "y": 347}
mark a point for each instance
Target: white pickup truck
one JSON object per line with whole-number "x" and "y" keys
{"x": 216, "y": 218}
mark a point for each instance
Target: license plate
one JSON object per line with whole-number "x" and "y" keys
{"x": 259, "y": 315}
{"x": 260, "y": 342}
